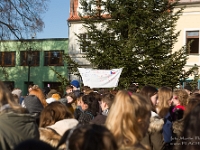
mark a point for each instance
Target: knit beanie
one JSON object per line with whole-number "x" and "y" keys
{"x": 75, "y": 83}
{"x": 33, "y": 104}
{"x": 17, "y": 92}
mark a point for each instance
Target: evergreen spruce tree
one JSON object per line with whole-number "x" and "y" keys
{"x": 138, "y": 35}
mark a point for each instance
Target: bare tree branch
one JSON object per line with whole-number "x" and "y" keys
{"x": 20, "y": 18}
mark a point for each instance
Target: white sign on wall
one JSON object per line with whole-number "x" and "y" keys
{"x": 95, "y": 78}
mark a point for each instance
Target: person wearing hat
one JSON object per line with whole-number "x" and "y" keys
{"x": 76, "y": 86}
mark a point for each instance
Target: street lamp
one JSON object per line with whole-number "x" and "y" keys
{"x": 29, "y": 60}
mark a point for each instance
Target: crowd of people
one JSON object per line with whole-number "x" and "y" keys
{"x": 136, "y": 118}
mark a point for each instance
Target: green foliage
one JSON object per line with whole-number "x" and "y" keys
{"x": 194, "y": 82}
{"x": 72, "y": 69}
{"x": 138, "y": 36}
{"x": 64, "y": 81}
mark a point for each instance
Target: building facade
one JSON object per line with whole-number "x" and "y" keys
{"x": 32, "y": 61}
{"x": 189, "y": 27}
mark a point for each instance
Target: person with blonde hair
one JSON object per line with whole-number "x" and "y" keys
{"x": 163, "y": 109}
{"x": 164, "y": 101}
{"x": 128, "y": 119}
{"x": 16, "y": 124}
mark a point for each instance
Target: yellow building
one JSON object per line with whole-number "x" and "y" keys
{"x": 189, "y": 27}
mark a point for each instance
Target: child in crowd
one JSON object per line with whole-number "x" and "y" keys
{"x": 69, "y": 89}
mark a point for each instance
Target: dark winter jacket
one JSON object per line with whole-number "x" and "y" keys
{"x": 77, "y": 112}
{"x": 100, "y": 119}
{"x": 133, "y": 147}
{"x": 85, "y": 117}
{"x": 15, "y": 128}
{"x": 154, "y": 138}
{"x": 177, "y": 130}
{"x": 167, "y": 128}
{"x": 177, "y": 113}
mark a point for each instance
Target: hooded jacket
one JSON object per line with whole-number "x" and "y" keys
{"x": 154, "y": 138}
{"x": 52, "y": 134}
{"x": 15, "y": 128}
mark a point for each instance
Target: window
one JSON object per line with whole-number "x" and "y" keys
{"x": 9, "y": 84}
{"x": 193, "y": 37}
{"x": 7, "y": 59}
{"x": 35, "y": 60}
{"x": 53, "y": 58}
{"x": 85, "y": 42}
{"x": 54, "y": 85}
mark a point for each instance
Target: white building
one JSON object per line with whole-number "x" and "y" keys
{"x": 188, "y": 24}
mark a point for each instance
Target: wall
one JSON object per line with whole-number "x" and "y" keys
{"x": 38, "y": 74}
{"x": 188, "y": 21}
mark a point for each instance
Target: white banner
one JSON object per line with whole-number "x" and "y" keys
{"x": 95, "y": 78}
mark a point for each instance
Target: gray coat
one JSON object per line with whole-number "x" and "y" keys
{"x": 15, "y": 128}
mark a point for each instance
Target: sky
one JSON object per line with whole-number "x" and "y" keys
{"x": 55, "y": 20}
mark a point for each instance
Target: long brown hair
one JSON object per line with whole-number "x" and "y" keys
{"x": 54, "y": 112}
{"x": 148, "y": 91}
{"x": 164, "y": 96}
{"x": 182, "y": 96}
{"x": 6, "y": 97}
